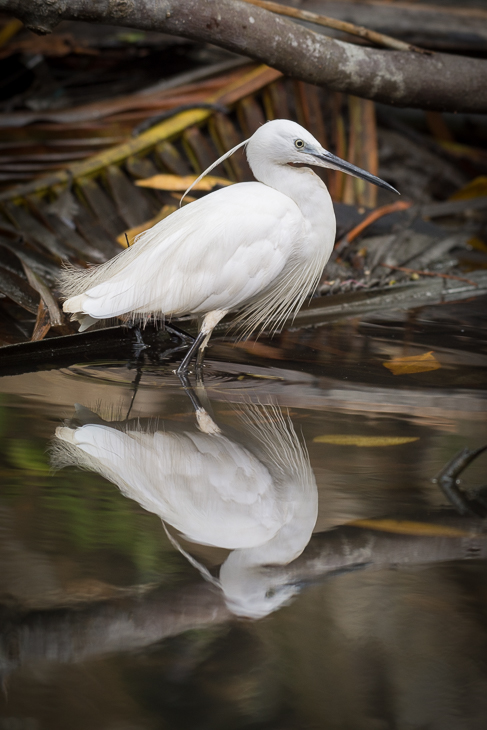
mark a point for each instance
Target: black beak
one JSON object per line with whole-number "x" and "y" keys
{"x": 335, "y": 163}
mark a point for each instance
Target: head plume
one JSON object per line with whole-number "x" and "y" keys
{"x": 212, "y": 167}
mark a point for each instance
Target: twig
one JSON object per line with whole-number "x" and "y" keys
{"x": 449, "y": 481}
{"x": 453, "y": 207}
{"x": 357, "y": 30}
{"x": 425, "y": 8}
{"x": 429, "y": 273}
{"x": 371, "y": 218}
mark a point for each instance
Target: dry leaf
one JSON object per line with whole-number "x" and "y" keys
{"x": 43, "y": 323}
{"x": 474, "y": 189}
{"x": 346, "y": 440}
{"x": 133, "y": 232}
{"x": 413, "y": 364}
{"x": 408, "y": 527}
{"x": 477, "y": 244}
{"x": 180, "y": 184}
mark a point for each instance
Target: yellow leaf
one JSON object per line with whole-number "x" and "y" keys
{"x": 407, "y": 527}
{"x": 11, "y": 28}
{"x": 474, "y": 189}
{"x": 346, "y": 440}
{"x": 187, "y": 199}
{"x": 178, "y": 183}
{"x": 462, "y": 150}
{"x": 413, "y": 364}
{"x": 477, "y": 244}
{"x": 133, "y": 232}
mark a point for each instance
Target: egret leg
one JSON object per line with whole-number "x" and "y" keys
{"x": 139, "y": 345}
{"x": 136, "y": 382}
{"x": 185, "y": 362}
{"x": 201, "y": 353}
{"x": 209, "y": 323}
{"x": 172, "y": 329}
{"x": 205, "y": 422}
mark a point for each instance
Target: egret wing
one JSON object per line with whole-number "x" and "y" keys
{"x": 215, "y": 253}
{"x": 210, "y": 488}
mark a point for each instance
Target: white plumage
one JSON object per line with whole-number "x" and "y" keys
{"x": 256, "y": 247}
{"x": 166, "y": 272}
{"x": 251, "y": 491}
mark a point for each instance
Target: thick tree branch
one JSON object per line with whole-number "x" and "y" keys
{"x": 440, "y": 82}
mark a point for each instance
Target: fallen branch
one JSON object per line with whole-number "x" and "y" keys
{"x": 440, "y": 82}
{"x": 380, "y": 39}
{"x": 428, "y": 273}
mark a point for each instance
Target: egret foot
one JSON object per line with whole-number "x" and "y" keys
{"x": 139, "y": 345}
{"x": 173, "y": 330}
{"x": 198, "y": 347}
{"x": 185, "y": 363}
{"x": 136, "y": 382}
{"x": 185, "y": 382}
{"x": 448, "y": 479}
{"x": 172, "y": 353}
{"x": 205, "y": 422}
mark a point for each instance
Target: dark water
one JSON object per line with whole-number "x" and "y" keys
{"x": 309, "y": 573}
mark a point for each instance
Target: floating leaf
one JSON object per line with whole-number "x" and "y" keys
{"x": 413, "y": 364}
{"x": 178, "y": 183}
{"x": 408, "y": 527}
{"x": 346, "y": 440}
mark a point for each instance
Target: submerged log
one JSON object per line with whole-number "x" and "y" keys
{"x": 73, "y": 635}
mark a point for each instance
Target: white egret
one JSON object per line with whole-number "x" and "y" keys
{"x": 250, "y": 490}
{"x": 255, "y": 247}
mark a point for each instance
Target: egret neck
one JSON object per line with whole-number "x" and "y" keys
{"x": 310, "y": 194}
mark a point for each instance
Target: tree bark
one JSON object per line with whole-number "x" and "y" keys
{"x": 438, "y": 27}
{"x": 438, "y": 82}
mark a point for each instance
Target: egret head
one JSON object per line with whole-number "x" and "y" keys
{"x": 283, "y": 142}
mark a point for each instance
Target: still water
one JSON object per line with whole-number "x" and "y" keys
{"x": 265, "y": 551}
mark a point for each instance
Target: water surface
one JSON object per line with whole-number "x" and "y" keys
{"x": 351, "y": 593}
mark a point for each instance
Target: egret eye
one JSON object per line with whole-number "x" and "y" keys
{"x": 299, "y": 144}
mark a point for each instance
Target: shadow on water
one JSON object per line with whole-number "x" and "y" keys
{"x": 266, "y": 551}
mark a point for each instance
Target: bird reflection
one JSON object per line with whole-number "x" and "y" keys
{"x": 249, "y": 489}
